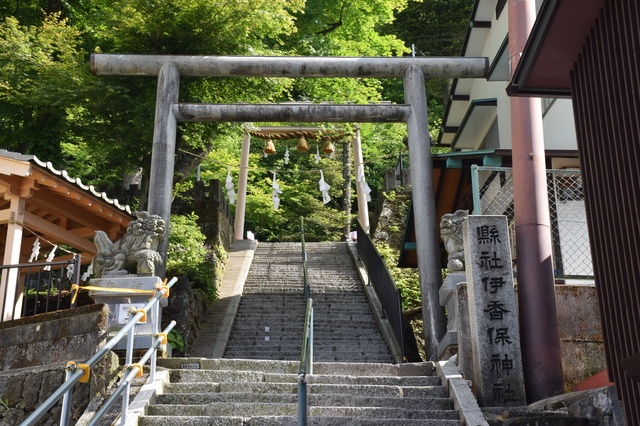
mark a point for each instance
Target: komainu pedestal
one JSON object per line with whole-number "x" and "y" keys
{"x": 127, "y": 267}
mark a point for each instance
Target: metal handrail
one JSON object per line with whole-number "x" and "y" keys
{"x": 382, "y": 281}
{"x": 306, "y": 363}
{"x": 75, "y": 262}
{"x": 305, "y": 272}
{"x": 134, "y": 371}
{"x": 306, "y": 354}
{"x": 74, "y": 374}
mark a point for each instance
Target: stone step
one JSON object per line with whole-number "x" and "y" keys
{"x": 319, "y": 355}
{"x": 315, "y": 388}
{"x": 340, "y": 400}
{"x": 291, "y": 409}
{"x": 285, "y": 421}
{"x": 259, "y": 376}
{"x": 288, "y": 367}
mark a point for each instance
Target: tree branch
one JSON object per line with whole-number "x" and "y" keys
{"x": 332, "y": 27}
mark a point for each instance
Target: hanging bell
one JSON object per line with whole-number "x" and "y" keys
{"x": 327, "y": 146}
{"x": 302, "y": 145}
{"x": 269, "y": 147}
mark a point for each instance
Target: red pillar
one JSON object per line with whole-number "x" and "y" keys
{"x": 539, "y": 336}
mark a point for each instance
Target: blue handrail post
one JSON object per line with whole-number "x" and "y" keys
{"x": 302, "y": 401}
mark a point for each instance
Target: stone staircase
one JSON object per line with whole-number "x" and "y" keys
{"x": 271, "y": 313}
{"x": 256, "y": 383}
{"x": 260, "y": 392}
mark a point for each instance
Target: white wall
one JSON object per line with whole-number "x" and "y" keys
{"x": 559, "y": 127}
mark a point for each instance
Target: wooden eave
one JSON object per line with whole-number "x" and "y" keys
{"x": 57, "y": 208}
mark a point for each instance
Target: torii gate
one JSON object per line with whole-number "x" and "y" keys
{"x": 414, "y": 113}
{"x": 363, "y": 208}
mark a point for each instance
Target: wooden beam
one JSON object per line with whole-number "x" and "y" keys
{"x": 56, "y": 234}
{"x": 51, "y": 202}
{"x": 4, "y": 216}
{"x": 9, "y": 166}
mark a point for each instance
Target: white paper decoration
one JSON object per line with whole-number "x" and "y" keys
{"x": 52, "y": 253}
{"x": 365, "y": 187}
{"x": 229, "y": 185}
{"x": 87, "y": 274}
{"x": 324, "y": 189}
{"x": 274, "y": 194}
{"x": 35, "y": 251}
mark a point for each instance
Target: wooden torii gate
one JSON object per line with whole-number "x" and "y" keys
{"x": 414, "y": 113}
{"x": 363, "y": 208}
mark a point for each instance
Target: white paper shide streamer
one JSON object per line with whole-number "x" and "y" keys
{"x": 35, "y": 251}
{"x": 365, "y": 187}
{"x": 87, "y": 274}
{"x": 324, "y": 189}
{"x": 70, "y": 271}
{"x": 229, "y": 185}
{"x": 274, "y": 193}
{"x": 317, "y": 156}
{"x": 286, "y": 156}
{"x": 52, "y": 253}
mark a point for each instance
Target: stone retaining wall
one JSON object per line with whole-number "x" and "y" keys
{"x": 33, "y": 355}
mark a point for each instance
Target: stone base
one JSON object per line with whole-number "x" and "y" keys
{"x": 119, "y": 303}
{"x": 133, "y": 282}
{"x": 448, "y": 346}
{"x": 448, "y": 287}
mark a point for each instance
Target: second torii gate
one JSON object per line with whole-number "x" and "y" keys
{"x": 413, "y": 113}
{"x": 238, "y": 227}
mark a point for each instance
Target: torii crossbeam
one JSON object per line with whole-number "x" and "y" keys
{"x": 412, "y": 70}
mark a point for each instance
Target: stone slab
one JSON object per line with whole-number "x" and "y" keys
{"x": 495, "y": 338}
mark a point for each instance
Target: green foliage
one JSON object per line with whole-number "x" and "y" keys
{"x": 435, "y": 28}
{"x": 175, "y": 340}
{"x": 187, "y": 255}
{"x": 99, "y": 128}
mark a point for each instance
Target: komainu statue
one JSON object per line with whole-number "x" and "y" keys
{"x": 451, "y": 233}
{"x": 135, "y": 253}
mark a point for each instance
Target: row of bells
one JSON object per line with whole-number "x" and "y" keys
{"x": 327, "y": 146}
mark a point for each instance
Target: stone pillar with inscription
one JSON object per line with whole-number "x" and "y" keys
{"x": 495, "y": 340}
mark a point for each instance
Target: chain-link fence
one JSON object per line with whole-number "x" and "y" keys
{"x": 493, "y": 195}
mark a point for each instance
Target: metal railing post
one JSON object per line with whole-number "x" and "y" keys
{"x": 310, "y": 359}
{"x": 475, "y": 188}
{"x": 302, "y": 401}
{"x": 155, "y": 330}
{"x": 80, "y": 372}
{"x": 65, "y": 415}
{"x": 128, "y": 362}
